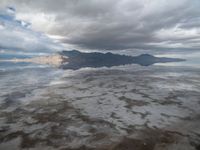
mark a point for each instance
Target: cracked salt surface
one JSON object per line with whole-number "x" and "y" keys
{"x": 98, "y": 108}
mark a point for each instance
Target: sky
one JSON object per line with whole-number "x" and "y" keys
{"x": 53, "y": 25}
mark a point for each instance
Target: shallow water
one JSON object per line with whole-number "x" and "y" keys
{"x": 119, "y": 108}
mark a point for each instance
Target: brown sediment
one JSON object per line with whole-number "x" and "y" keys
{"x": 134, "y": 144}
{"x": 149, "y": 140}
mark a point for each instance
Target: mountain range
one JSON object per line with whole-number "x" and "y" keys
{"x": 76, "y": 59}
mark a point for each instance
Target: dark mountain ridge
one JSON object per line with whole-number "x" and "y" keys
{"x": 77, "y": 59}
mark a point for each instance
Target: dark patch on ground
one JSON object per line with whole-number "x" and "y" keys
{"x": 132, "y": 102}
{"x": 12, "y": 99}
{"x": 130, "y": 144}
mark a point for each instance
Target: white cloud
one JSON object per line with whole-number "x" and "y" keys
{"x": 16, "y": 35}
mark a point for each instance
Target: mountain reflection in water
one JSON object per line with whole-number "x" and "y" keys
{"x": 77, "y": 60}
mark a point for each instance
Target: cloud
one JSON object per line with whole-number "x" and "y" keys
{"x": 113, "y": 25}
{"x": 17, "y": 35}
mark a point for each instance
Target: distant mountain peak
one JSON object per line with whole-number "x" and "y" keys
{"x": 145, "y": 55}
{"x": 77, "y": 59}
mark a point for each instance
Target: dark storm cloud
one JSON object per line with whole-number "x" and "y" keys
{"x": 111, "y": 24}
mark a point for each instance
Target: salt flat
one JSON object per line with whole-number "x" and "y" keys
{"x": 147, "y": 108}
